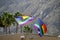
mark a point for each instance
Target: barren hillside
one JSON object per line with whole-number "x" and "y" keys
{"x": 47, "y": 10}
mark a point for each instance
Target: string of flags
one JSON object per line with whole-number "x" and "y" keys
{"x": 39, "y": 26}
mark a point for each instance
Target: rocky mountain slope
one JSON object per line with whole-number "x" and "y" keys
{"x": 47, "y": 10}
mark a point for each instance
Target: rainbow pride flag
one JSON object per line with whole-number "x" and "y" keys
{"x": 24, "y": 20}
{"x": 40, "y": 27}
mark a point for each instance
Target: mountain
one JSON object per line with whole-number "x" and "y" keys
{"x": 47, "y": 10}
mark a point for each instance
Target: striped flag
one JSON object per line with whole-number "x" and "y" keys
{"x": 24, "y": 20}
{"x": 40, "y": 27}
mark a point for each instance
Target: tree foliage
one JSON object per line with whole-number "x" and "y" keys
{"x": 6, "y": 19}
{"x": 27, "y": 29}
{"x": 17, "y": 14}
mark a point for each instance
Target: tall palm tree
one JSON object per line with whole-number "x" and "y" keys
{"x": 11, "y": 20}
{"x": 1, "y": 25}
{"x": 7, "y": 20}
{"x": 16, "y": 15}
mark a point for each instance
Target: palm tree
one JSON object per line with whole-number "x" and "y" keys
{"x": 1, "y": 25}
{"x": 16, "y": 15}
{"x": 27, "y": 30}
{"x": 7, "y": 20}
{"x": 11, "y": 20}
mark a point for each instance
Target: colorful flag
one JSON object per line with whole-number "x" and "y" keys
{"x": 40, "y": 22}
{"x": 44, "y": 28}
{"x": 24, "y": 20}
{"x": 40, "y": 27}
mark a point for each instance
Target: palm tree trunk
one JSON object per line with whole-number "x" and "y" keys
{"x": 6, "y": 29}
{"x": 9, "y": 30}
{"x": 21, "y": 29}
{"x": 3, "y": 29}
{"x": 17, "y": 28}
